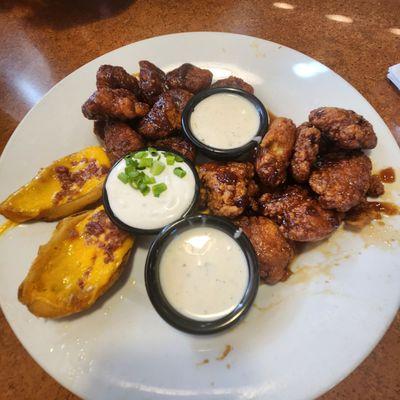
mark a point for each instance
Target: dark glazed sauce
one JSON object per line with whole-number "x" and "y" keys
{"x": 387, "y": 175}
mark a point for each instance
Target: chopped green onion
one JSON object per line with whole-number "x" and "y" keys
{"x": 123, "y": 177}
{"x": 178, "y": 158}
{"x": 134, "y": 184}
{"x": 148, "y": 180}
{"x": 178, "y": 171}
{"x": 170, "y": 159}
{"x": 145, "y": 162}
{"x": 152, "y": 151}
{"x": 141, "y": 154}
{"x": 157, "y": 168}
{"x": 158, "y": 189}
{"x": 145, "y": 191}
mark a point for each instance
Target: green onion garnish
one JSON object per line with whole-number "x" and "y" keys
{"x": 148, "y": 180}
{"x": 178, "y": 158}
{"x": 152, "y": 151}
{"x": 170, "y": 158}
{"x": 158, "y": 189}
{"x": 123, "y": 177}
{"x": 157, "y": 168}
{"x": 145, "y": 191}
{"x": 145, "y": 162}
{"x": 140, "y": 154}
{"x": 178, "y": 171}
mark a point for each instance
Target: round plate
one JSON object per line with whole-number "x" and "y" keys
{"x": 300, "y": 338}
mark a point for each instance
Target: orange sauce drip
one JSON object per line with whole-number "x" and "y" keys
{"x": 387, "y": 175}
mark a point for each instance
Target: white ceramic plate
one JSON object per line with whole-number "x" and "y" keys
{"x": 301, "y": 338}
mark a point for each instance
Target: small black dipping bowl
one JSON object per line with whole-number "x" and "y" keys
{"x": 140, "y": 231}
{"x": 223, "y": 154}
{"x": 153, "y": 285}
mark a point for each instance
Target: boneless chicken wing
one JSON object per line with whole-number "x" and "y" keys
{"x": 190, "y": 78}
{"x": 120, "y": 104}
{"x": 305, "y": 151}
{"x": 274, "y": 252}
{"x": 120, "y": 139}
{"x": 178, "y": 144}
{"x": 234, "y": 82}
{"x": 345, "y": 128}
{"x": 275, "y": 151}
{"x": 165, "y": 116}
{"x": 341, "y": 180}
{"x": 298, "y": 214}
{"x": 227, "y": 189}
{"x": 152, "y": 81}
{"x": 376, "y": 187}
{"x": 109, "y": 76}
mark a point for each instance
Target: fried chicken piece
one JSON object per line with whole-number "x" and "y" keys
{"x": 120, "y": 139}
{"x": 98, "y": 129}
{"x": 165, "y": 116}
{"x": 178, "y": 144}
{"x": 275, "y": 151}
{"x": 376, "y": 187}
{"x": 341, "y": 179}
{"x": 305, "y": 151}
{"x": 274, "y": 252}
{"x": 300, "y": 216}
{"x": 109, "y": 76}
{"x": 190, "y": 78}
{"x": 152, "y": 81}
{"x": 345, "y": 128}
{"x": 234, "y": 82}
{"x": 227, "y": 189}
{"x": 121, "y": 104}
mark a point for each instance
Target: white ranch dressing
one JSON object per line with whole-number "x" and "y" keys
{"x": 225, "y": 121}
{"x": 203, "y": 273}
{"x": 149, "y": 212}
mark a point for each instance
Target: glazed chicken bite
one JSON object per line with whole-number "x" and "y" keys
{"x": 341, "y": 180}
{"x": 305, "y": 151}
{"x": 178, "y": 144}
{"x": 227, "y": 189}
{"x": 234, "y": 82}
{"x": 106, "y": 104}
{"x": 345, "y": 128}
{"x": 165, "y": 116}
{"x": 376, "y": 187}
{"x": 120, "y": 139}
{"x": 152, "y": 81}
{"x": 275, "y": 151}
{"x": 274, "y": 252}
{"x": 109, "y": 76}
{"x": 300, "y": 216}
{"x": 190, "y": 78}
{"x": 98, "y": 129}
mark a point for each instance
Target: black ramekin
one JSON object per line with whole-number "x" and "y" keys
{"x": 223, "y": 154}
{"x": 140, "y": 231}
{"x": 153, "y": 285}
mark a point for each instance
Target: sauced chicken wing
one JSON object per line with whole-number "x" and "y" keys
{"x": 152, "y": 81}
{"x": 341, "y": 179}
{"x": 274, "y": 153}
{"x": 345, "y": 128}
{"x": 234, "y": 82}
{"x": 376, "y": 187}
{"x": 120, "y": 139}
{"x": 98, "y": 129}
{"x": 178, "y": 144}
{"x": 121, "y": 104}
{"x": 227, "y": 189}
{"x": 305, "y": 151}
{"x": 300, "y": 217}
{"x": 190, "y": 78}
{"x": 274, "y": 252}
{"x": 112, "y": 77}
{"x": 165, "y": 116}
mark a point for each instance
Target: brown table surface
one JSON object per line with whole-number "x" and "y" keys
{"x": 41, "y": 41}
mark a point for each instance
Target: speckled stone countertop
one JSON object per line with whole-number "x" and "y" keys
{"x": 41, "y": 41}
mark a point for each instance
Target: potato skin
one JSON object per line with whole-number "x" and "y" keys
{"x": 65, "y": 187}
{"x": 83, "y": 258}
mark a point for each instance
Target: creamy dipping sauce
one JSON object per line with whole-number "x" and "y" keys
{"x": 203, "y": 273}
{"x": 150, "y": 212}
{"x": 225, "y": 121}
